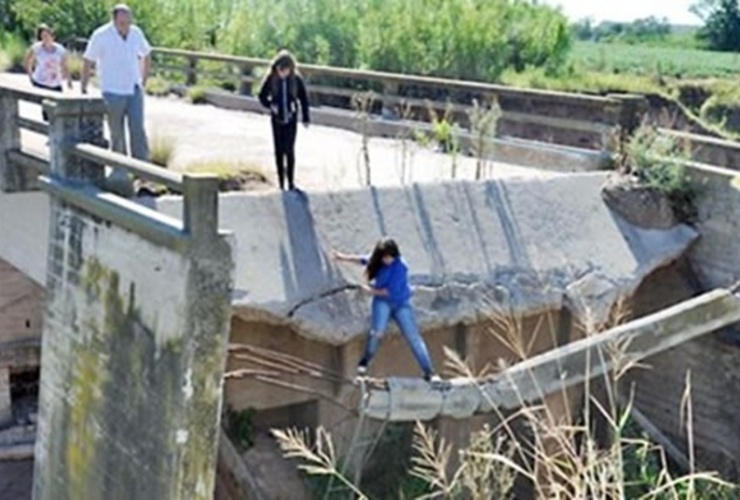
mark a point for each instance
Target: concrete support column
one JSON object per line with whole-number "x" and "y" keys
{"x": 6, "y": 404}
{"x": 73, "y": 121}
{"x": 10, "y": 139}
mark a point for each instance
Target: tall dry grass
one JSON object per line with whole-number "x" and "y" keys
{"x": 563, "y": 457}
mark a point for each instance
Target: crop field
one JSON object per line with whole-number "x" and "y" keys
{"x": 663, "y": 61}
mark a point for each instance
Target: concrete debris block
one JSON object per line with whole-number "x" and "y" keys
{"x": 461, "y": 398}
{"x": 499, "y": 395}
{"x": 408, "y": 400}
{"x": 377, "y": 404}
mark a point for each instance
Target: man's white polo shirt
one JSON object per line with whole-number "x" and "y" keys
{"x": 118, "y": 60}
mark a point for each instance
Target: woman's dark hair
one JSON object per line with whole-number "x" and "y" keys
{"x": 384, "y": 247}
{"x": 283, "y": 60}
{"x": 40, "y": 31}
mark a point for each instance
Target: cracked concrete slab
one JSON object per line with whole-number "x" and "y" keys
{"x": 526, "y": 244}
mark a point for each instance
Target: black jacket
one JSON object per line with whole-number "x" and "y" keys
{"x": 282, "y": 98}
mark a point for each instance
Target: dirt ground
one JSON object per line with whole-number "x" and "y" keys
{"x": 327, "y": 158}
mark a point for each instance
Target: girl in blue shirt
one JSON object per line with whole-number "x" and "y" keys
{"x": 388, "y": 284}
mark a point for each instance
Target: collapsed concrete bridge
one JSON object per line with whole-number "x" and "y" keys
{"x": 138, "y": 294}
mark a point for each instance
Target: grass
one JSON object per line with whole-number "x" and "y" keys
{"x": 232, "y": 175}
{"x": 162, "y": 150}
{"x": 646, "y": 60}
{"x": 158, "y": 86}
{"x": 558, "y": 457}
{"x": 75, "y": 63}
{"x": 197, "y": 95}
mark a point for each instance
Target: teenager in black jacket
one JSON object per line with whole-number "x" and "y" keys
{"x": 282, "y": 90}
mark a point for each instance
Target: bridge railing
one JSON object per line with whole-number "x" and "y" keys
{"x": 568, "y": 119}
{"x": 76, "y": 167}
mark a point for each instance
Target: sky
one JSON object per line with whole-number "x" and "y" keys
{"x": 677, "y": 11}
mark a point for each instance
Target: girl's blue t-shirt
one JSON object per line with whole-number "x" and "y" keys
{"x": 395, "y": 279}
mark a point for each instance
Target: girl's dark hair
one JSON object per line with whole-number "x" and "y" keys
{"x": 384, "y": 247}
{"x": 40, "y": 31}
{"x": 283, "y": 59}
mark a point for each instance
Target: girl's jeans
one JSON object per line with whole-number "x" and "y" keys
{"x": 403, "y": 315}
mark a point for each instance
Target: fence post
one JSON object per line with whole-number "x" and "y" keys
{"x": 200, "y": 217}
{"x": 191, "y": 71}
{"x": 72, "y": 121}
{"x": 389, "y": 90}
{"x": 245, "y": 87}
{"x": 10, "y": 140}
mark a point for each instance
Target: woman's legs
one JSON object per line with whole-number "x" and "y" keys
{"x": 381, "y": 314}
{"x": 291, "y": 131}
{"x": 404, "y": 316}
{"x": 278, "y": 142}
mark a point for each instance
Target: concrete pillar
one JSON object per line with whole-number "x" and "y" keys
{"x": 6, "y": 403}
{"x": 73, "y": 121}
{"x": 10, "y": 139}
{"x": 134, "y": 351}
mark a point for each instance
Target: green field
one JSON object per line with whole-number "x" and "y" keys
{"x": 662, "y": 61}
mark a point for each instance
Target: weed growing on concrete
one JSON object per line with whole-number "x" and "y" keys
{"x": 75, "y": 64}
{"x": 659, "y": 161}
{"x": 446, "y": 133}
{"x": 197, "y": 95}
{"x": 363, "y": 103}
{"x": 232, "y": 175}
{"x": 484, "y": 125}
{"x": 158, "y": 86}
{"x": 162, "y": 150}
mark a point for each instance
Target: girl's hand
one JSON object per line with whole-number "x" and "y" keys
{"x": 337, "y": 255}
{"x": 368, "y": 289}
{"x": 274, "y": 109}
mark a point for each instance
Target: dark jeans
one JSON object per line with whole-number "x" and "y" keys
{"x": 58, "y": 88}
{"x": 283, "y": 136}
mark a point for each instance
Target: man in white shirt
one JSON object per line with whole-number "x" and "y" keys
{"x": 121, "y": 54}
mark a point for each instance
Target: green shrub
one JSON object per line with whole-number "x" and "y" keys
{"x": 197, "y": 95}
{"x": 12, "y": 52}
{"x": 158, "y": 86}
{"x": 74, "y": 64}
{"x": 232, "y": 175}
{"x": 659, "y": 162}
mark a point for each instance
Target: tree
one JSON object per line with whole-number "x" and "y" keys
{"x": 721, "y": 30}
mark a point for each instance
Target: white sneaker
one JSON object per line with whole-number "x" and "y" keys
{"x": 361, "y": 370}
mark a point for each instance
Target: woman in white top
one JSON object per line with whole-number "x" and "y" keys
{"x": 46, "y": 62}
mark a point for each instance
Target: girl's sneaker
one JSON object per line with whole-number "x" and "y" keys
{"x": 361, "y": 370}
{"x": 432, "y": 378}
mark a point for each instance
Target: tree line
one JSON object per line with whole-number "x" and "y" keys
{"x": 720, "y": 30}
{"x": 469, "y": 39}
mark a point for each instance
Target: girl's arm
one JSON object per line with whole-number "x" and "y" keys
{"x": 29, "y": 61}
{"x": 345, "y": 257}
{"x": 265, "y": 93}
{"x": 377, "y": 292}
{"x": 303, "y": 97}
